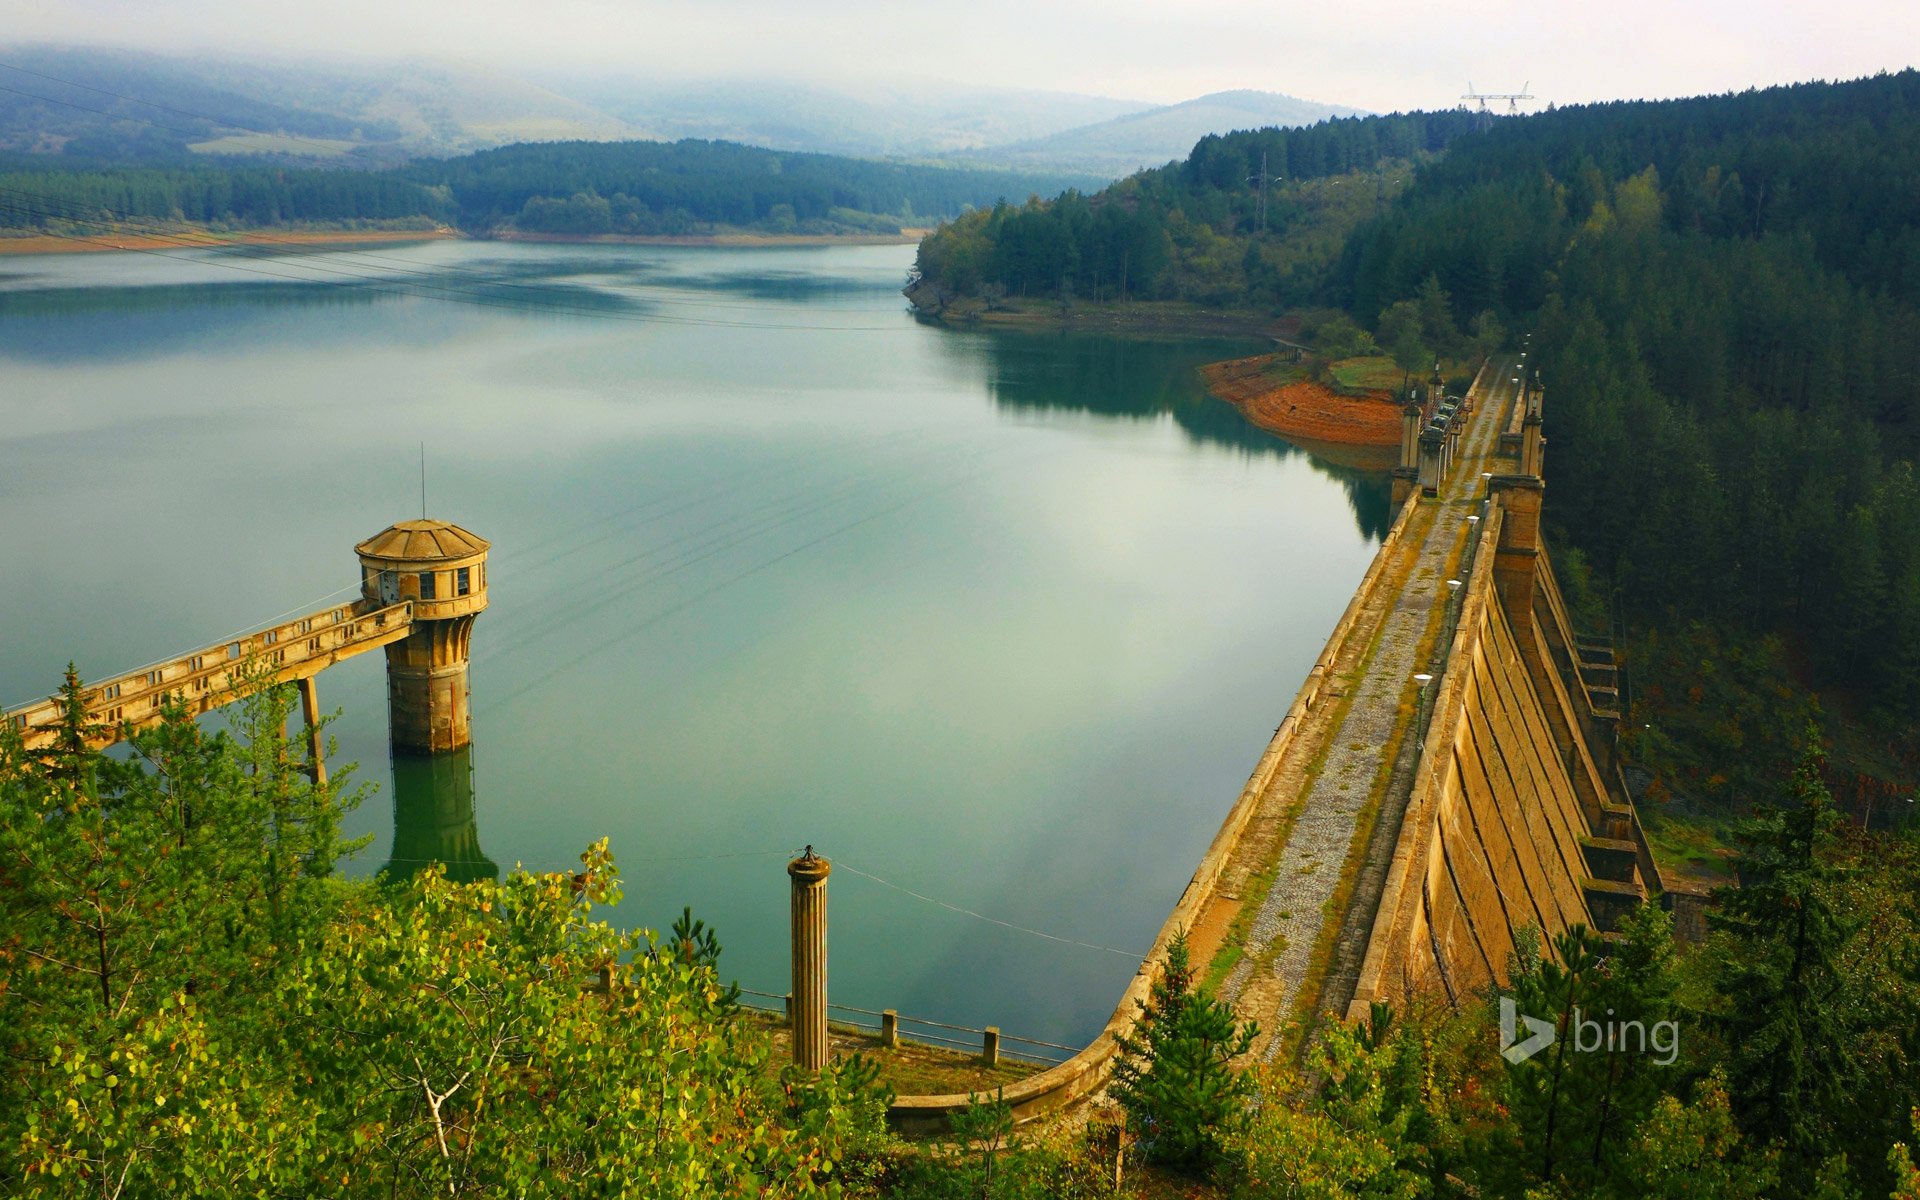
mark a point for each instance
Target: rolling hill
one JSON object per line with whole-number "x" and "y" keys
{"x": 1134, "y": 141}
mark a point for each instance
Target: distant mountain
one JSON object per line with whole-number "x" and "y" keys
{"x": 1134, "y": 141}
{"x": 917, "y": 120}
{"x": 132, "y": 106}
{"x": 124, "y": 105}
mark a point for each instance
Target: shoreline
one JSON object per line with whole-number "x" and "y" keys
{"x": 1364, "y": 428}
{"x": 906, "y": 237}
{"x": 1110, "y": 318}
{"x": 192, "y": 238}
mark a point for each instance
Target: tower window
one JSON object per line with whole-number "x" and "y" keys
{"x": 426, "y": 585}
{"x": 460, "y": 582}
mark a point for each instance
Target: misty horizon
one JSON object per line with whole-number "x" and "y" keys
{"x": 1376, "y": 56}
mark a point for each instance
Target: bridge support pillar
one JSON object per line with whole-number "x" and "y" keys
{"x": 310, "y": 711}
{"x": 808, "y": 874}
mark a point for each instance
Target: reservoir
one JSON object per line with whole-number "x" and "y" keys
{"x": 998, "y": 621}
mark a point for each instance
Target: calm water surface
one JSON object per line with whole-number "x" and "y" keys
{"x": 1000, "y": 619}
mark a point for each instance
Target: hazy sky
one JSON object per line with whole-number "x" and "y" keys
{"x": 1377, "y": 54}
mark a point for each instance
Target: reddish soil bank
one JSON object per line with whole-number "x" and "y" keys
{"x": 1305, "y": 409}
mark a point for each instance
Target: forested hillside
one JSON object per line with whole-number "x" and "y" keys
{"x": 1727, "y": 297}
{"x": 1187, "y": 231}
{"x": 557, "y": 187}
{"x": 37, "y": 196}
{"x": 665, "y": 187}
{"x": 1727, "y": 293}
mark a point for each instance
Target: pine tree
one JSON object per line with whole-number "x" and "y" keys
{"x": 1174, "y": 1075}
{"x": 1781, "y": 939}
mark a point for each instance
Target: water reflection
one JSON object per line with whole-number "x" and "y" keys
{"x": 433, "y": 819}
{"x": 1147, "y": 379}
{"x": 185, "y": 295}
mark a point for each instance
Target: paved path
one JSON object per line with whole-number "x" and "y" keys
{"x": 1305, "y": 834}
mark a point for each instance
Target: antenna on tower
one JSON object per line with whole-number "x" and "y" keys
{"x": 423, "y": 481}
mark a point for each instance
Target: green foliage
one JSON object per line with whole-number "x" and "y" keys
{"x": 1906, "y": 1176}
{"x": 1189, "y": 231}
{"x": 1400, "y": 332}
{"x": 1336, "y": 336}
{"x": 1776, "y": 964}
{"x": 681, "y": 187}
{"x": 1575, "y": 1102}
{"x": 151, "y": 909}
{"x": 1715, "y": 719}
{"x": 192, "y": 1004}
{"x": 1688, "y": 1151}
{"x": 1174, "y": 1073}
{"x": 1355, "y": 1135}
{"x": 1727, "y": 303}
{"x": 691, "y": 185}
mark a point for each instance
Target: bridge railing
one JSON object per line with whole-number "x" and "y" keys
{"x": 206, "y": 679}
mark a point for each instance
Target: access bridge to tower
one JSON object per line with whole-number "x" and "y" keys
{"x": 422, "y": 583}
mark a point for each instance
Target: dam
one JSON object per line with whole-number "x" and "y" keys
{"x": 1444, "y": 785}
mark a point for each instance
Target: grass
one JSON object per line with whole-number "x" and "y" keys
{"x": 1281, "y": 370}
{"x": 1699, "y": 849}
{"x": 1374, "y": 373}
{"x": 910, "y": 1069}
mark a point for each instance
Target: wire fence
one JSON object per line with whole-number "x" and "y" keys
{"x": 923, "y": 1030}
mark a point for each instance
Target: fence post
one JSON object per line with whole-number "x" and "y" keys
{"x": 990, "y": 1045}
{"x": 890, "y": 1029}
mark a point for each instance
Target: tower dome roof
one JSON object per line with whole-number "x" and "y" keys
{"x": 422, "y": 541}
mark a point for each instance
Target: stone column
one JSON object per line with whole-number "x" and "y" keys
{"x": 1432, "y": 445}
{"x": 1532, "y": 447}
{"x": 809, "y": 910}
{"x": 1410, "y": 436}
{"x": 1517, "y": 557}
{"x": 1406, "y": 476}
{"x": 428, "y": 691}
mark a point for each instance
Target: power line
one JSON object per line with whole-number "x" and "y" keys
{"x": 843, "y": 865}
{"x": 600, "y": 648}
